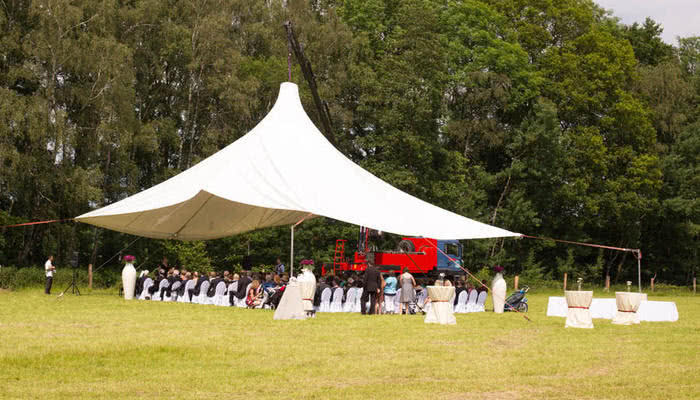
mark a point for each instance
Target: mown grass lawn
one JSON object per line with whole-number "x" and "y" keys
{"x": 99, "y": 346}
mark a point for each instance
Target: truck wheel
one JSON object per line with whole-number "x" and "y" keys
{"x": 406, "y": 246}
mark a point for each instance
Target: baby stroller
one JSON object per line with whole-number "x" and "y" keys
{"x": 517, "y": 301}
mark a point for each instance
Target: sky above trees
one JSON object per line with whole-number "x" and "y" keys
{"x": 677, "y": 17}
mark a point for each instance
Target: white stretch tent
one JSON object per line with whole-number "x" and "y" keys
{"x": 281, "y": 171}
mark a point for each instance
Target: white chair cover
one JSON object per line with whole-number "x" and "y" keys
{"x": 397, "y": 300}
{"x": 173, "y": 290}
{"x": 441, "y": 311}
{"x": 147, "y": 283}
{"x": 578, "y": 314}
{"x": 337, "y": 303}
{"x": 220, "y": 296}
{"x": 471, "y": 301}
{"x": 350, "y": 300}
{"x": 461, "y": 306}
{"x": 202, "y": 297}
{"x": 291, "y": 305}
{"x": 185, "y": 298}
{"x": 325, "y": 300}
{"x": 627, "y": 306}
{"x": 481, "y": 302}
{"x": 163, "y": 284}
{"x": 358, "y": 296}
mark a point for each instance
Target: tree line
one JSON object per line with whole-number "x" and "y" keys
{"x": 545, "y": 117}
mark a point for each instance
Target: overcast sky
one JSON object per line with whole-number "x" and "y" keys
{"x": 677, "y": 17}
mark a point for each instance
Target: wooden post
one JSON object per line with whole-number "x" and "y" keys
{"x": 564, "y": 280}
{"x": 607, "y": 283}
{"x": 90, "y": 276}
{"x": 652, "y": 285}
{"x": 516, "y": 282}
{"x": 695, "y": 282}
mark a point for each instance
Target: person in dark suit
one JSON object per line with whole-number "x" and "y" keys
{"x": 214, "y": 280}
{"x": 195, "y": 276}
{"x": 243, "y": 283}
{"x": 373, "y": 283}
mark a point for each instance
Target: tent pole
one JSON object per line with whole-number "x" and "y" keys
{"x": 639, "y": 269}
{"x": 291, "y": 254}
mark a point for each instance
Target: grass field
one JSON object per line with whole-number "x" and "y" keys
{"x": 99, "y": 346}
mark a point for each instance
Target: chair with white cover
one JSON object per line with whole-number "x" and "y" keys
{"x": 461, "y": 306}
{"x": 185, "y": 298}
{"x": 232, "y": 289}
{"x": 471, "y": 301}
{"x": 325, "y": 300}
{"x": 350, "y": 300}
{"x": 358, "y": 296}
{"x": 265, "y": 296}
{"x": 240, "y": 303}
{"x": 173, "y": 291}
{"x": 163, "y": 285}
{"x": 220, "y": 297}
{"x": 201, "y": 298}
{"x": 481, "y": 302}
{"x": 146, "y": 285}
{"x": 337, "y": 303}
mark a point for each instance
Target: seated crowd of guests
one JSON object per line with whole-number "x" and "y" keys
{"x": 265, "y": 290}
{"x": 250, "y": 289}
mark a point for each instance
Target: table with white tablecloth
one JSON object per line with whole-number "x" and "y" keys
{"x": 627, "y": 306}
{"x": 656, "y": 311}
{"x": 441, "y": 310}
{"x": 578, "y": 313}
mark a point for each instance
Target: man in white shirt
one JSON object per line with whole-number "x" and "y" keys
{"x": 49, "y": 268}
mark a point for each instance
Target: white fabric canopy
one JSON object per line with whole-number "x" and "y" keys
{"x": 281, "y": 171}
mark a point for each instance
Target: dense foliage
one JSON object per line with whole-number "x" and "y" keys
{"x": 546, "y": 117}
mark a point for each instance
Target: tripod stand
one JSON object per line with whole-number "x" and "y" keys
{"x": 73, "y": 285}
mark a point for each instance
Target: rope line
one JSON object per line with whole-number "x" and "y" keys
{"x": 37, "y": 223}
{"x": 600, "y": 246}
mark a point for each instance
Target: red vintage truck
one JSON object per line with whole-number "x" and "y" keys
{"x": 419, "y": 255}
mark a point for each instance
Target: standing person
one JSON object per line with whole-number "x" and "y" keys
{"x": 408, "y": 294}
{"x": 164, "y": 264}
{"x": 279, "y": 268}
{"x": 390, "y": 288}
{"x": 49, "y": 269}
{"x": 373, "y": 284}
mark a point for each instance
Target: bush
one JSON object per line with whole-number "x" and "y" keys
{"x": 19, "y": 278}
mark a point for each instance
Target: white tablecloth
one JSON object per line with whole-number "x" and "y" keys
{"x": 578, "y": 314}
{"x": 657, "y": 311}
{"x": 291, "y": 306}
{"x": 627, "y": 306}
{"x": 441, "y": 310}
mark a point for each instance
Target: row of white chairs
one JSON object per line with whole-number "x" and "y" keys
{"x": 466, "y": 303}
{"x": 470, "y": 302}
{"x": 220, "y": 298}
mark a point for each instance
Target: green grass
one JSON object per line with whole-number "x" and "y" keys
{"x": 99, "y": 346}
